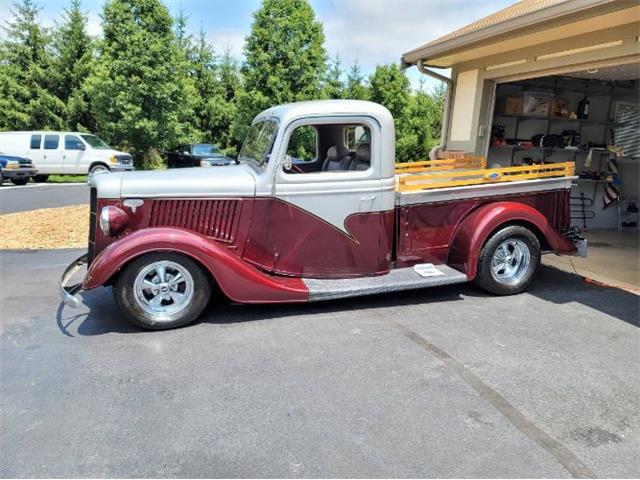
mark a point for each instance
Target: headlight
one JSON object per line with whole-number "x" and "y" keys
{"x": 113, "y": 220}
{"x": 205, "y": 163}
{"x": 12, "y": 165}
{"x": 113, "y": 159}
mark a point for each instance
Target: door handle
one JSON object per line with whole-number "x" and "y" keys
{"x": 367, "y": 198}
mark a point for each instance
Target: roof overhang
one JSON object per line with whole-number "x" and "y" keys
{"x": 522, "y": 31}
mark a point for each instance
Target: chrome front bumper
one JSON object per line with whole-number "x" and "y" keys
{"x": 68, "y": 292}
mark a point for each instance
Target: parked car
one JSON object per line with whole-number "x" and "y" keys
{"x": 346, "y": 222}
{"x": 17, "y": 169}
{"x": 197, "y": 155}
{"x": 65, "y": 153}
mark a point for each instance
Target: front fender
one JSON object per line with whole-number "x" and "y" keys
{"x": 238, "y": 280}
{"x": 474, "y": 230}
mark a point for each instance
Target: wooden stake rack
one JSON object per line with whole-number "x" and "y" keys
{"x": 436, "y": 176}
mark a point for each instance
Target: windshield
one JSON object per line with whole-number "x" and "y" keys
{"x": 257, "y": 145}
{"x": 205, "y": 149}
{"x": 95, "y": 142}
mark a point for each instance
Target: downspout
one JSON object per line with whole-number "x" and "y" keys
{"x": 433, "y": 154}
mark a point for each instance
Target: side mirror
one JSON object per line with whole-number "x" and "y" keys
{"x": 81, "y": 146}
{"x": 185, "y": 153}
{"x": 288, "y": 162}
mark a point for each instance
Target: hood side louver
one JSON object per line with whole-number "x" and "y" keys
{"x": 217, "y": 219}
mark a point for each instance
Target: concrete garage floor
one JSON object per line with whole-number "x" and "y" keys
{"x": 444, "y": 382}
{"x": 613, "y": 259}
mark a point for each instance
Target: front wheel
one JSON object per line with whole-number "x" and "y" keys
{"x": 19, "y": 181}
{"x": 159, "y": 291}
{"x": 40, "y": 178}
{"x": 508, "y": 261}
{"x": 97, "y": 169}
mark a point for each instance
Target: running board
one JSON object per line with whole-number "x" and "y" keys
{"x": 395, "y": 281}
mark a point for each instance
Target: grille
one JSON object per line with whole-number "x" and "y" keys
{"x": 93, "y": 207}
{"x": 217, "y": 219}
{"x": 124, "y": 159}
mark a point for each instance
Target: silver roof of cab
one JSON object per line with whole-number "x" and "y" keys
{"x": 292, "y": 111}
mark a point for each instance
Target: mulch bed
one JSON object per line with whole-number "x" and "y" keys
{"x": 47, "y": 228}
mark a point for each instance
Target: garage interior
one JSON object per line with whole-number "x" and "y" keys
{"x": 590, "y": 117}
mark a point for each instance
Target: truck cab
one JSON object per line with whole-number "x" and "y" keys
{"x": 318, "y": 209}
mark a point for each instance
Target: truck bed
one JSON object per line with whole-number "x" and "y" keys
{"x": 443, "y": 180}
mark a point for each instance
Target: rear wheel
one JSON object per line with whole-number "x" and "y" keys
{"x": 40, "y": 178}
{"x": 508, "y": 261}
{"x": 19, "y": 181}
{"x": 162, "y": 290}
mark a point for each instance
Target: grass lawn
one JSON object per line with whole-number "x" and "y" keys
{"x": 67, "y": 179}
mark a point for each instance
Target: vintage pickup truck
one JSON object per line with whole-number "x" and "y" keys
{"x": 345, "y": 220}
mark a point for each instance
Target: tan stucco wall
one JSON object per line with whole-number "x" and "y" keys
{"x": 470, "y": 121}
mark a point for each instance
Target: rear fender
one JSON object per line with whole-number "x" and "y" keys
{"x": 474, "y": 230}
{"x": 238, "y": 280}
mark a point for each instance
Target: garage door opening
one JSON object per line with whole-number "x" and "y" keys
{"x": 590, "y": 117}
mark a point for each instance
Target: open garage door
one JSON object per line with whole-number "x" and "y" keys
{"x": 591, "y": 117}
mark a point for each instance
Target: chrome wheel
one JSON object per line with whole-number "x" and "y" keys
{"x": 511, "y": 261}
{"x": 163, "y": 289}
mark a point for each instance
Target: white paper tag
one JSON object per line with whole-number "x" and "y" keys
{"x": 427, "y": 270}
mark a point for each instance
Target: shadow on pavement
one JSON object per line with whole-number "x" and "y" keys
{"x": 551, "y": 284}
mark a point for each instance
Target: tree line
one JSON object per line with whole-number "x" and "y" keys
{"x": 146, "y": 85}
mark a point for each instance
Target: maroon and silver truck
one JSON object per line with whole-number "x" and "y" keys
{"x": 343, "y": 221}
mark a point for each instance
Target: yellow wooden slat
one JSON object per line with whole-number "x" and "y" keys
{"x": 484, "y": 176}
{"x": 441, "y": 164}
{"x": 489, "y": 171}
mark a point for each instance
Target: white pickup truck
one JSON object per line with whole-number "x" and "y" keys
{"x": 64, "y": 152}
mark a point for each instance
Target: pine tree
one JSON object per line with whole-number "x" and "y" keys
{"x": 390, "y": 87}
{"x": 334, "y": 87}
{"x": 285, "y": 59}
{"x": 141, "y": 94}
{"x": 356, "y": 88}
{"x": 73, "y": 62}
{"x": 26, "y": 101}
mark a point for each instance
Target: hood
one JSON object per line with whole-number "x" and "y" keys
{"x": 231, "y": 181}
{"x": 11, "y": 158}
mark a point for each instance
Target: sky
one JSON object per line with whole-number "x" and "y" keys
{"x": 372, "y": 31}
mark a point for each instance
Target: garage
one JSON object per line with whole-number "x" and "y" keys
{"x": 590, "y": 117}
{"x": 554, "y": 81}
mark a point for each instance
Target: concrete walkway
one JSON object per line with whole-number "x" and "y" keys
{"x": 612, "y": 259}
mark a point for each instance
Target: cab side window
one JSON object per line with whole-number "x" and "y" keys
{"x": 334, "y": 148}
{"x": 303, "y": 144}
{"x": 51, "y": 142}
{"x": 36, "y": 140}
{"x": 72, "y": 142}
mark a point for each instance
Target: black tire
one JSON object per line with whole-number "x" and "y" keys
{"x": 98, "y": 167}
{"x": 125, "y": 298}
{"x": 40, "y": 178}
{"x": 20, "y": 181}
{"x": 493, "y": 283}
{"x": 1, "y": 179}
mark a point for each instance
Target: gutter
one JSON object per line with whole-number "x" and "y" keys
{"x": 433, "y": 154}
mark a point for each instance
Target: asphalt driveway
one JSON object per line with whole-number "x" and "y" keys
{"x": 41, "y": 195}
{"x": 442, "y": 382}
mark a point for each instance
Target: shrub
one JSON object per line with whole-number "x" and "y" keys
{"x": 152, "y": 160}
